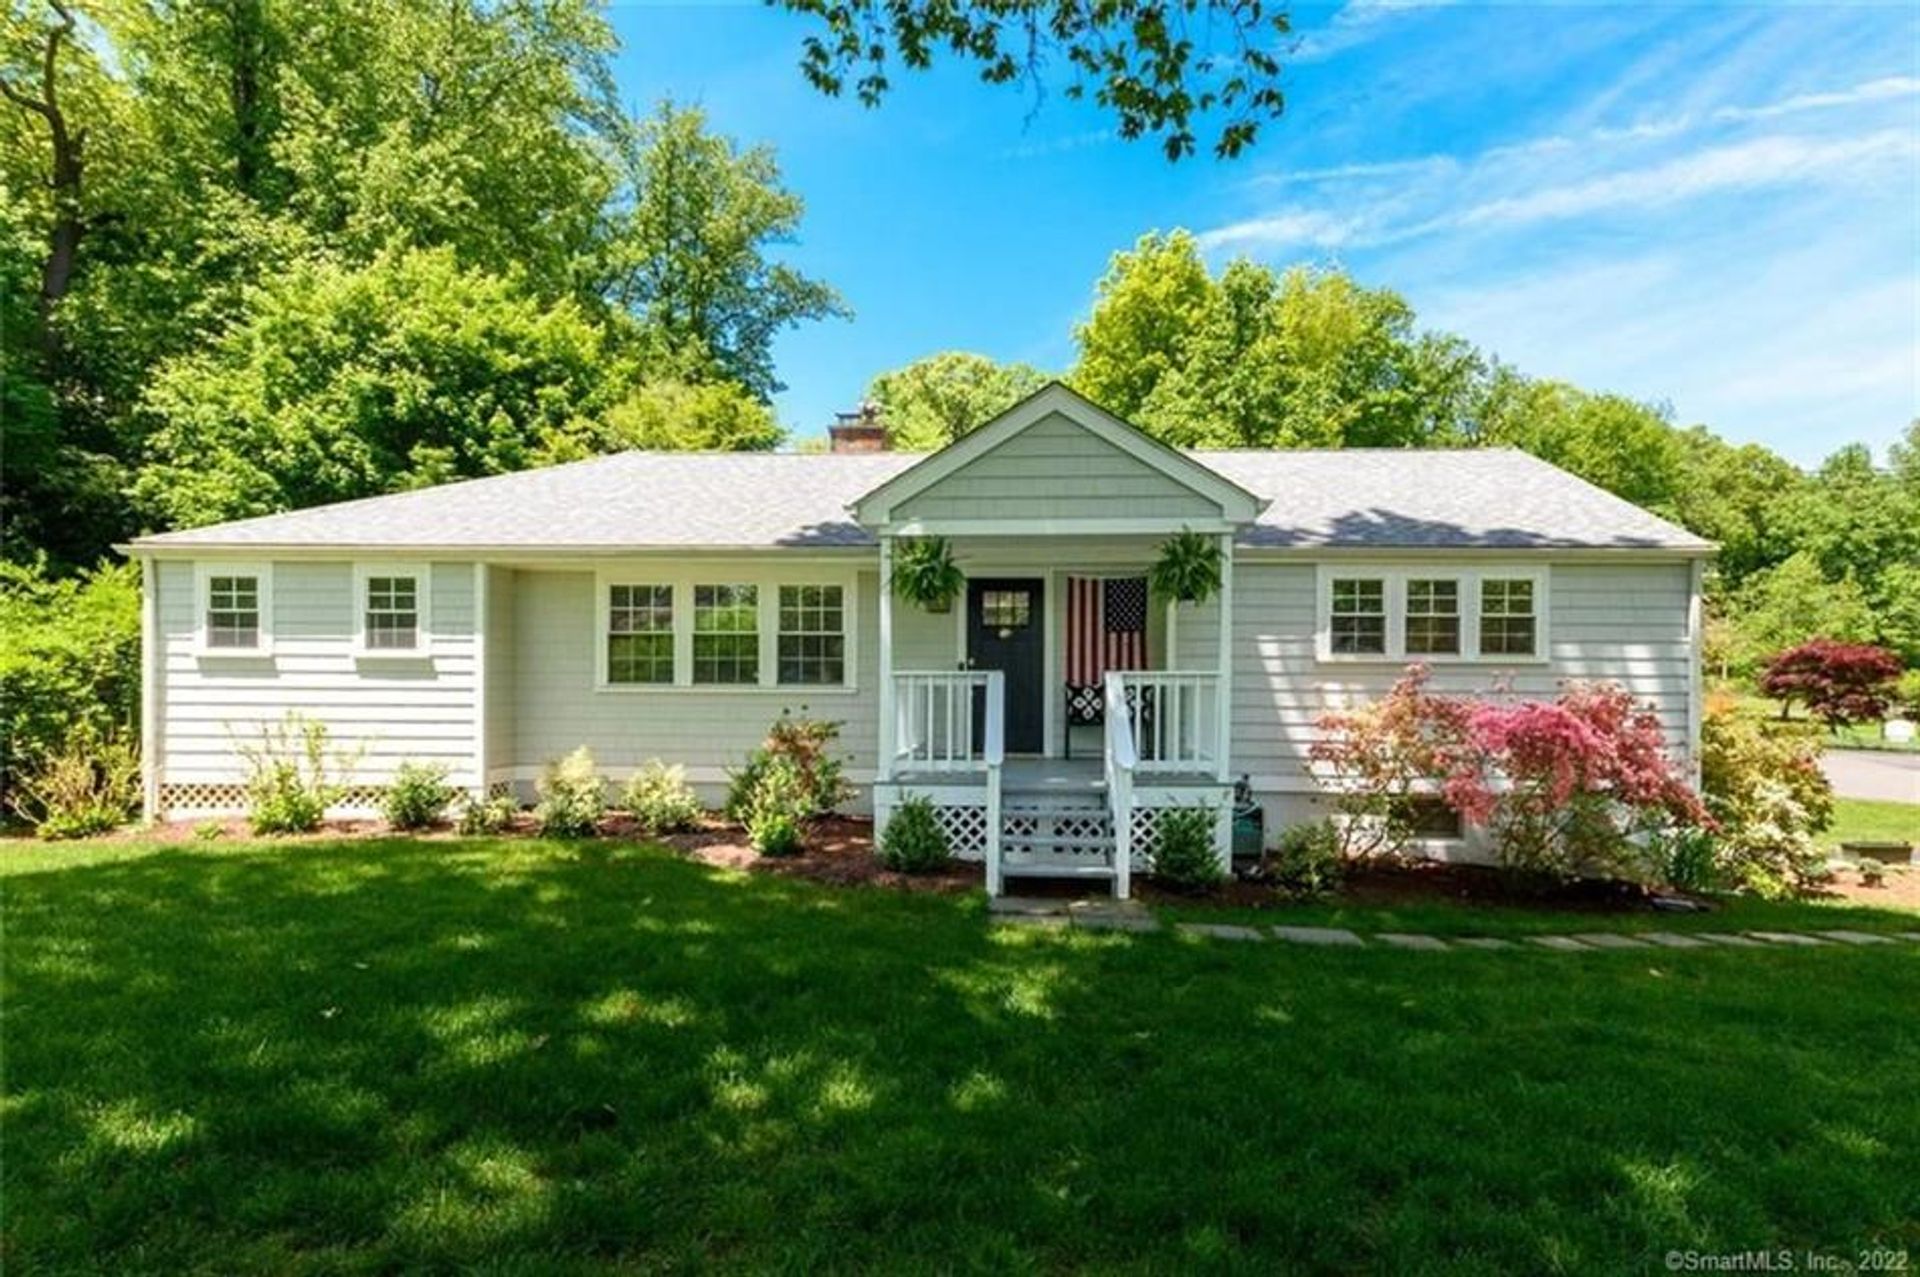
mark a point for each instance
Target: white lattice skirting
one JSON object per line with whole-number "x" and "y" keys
{"x": 966, "y": 828}
{"x": 229, "y": 798}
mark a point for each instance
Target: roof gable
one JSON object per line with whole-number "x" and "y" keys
{"x": 1055, "y": 449}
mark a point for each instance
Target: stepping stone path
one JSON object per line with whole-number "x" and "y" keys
{"x": 1673, "y": 940}
{"x": 1317, "y": 935}
{"x": 1220, "y": 931}
{"x": 1609, "y": 940}
{"x": 1131, "y": 916}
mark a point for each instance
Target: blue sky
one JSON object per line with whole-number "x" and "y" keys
{"x": 1716, "y": 207}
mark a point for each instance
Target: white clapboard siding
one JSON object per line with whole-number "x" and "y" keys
{"x": 384, "y": 712}
{"x": 557, "y": 707}
{"x": 1624, "y": 623}
{"x": 1061, "y": 467}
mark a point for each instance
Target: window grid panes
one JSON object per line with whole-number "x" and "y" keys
{"x": 233, "y": 611}
{"x": 1006, "y": 609}
{"x": 1506, "y": 618}
{"x": 393, "y": 613}
{"x": 1433, "y": 617}
{"x": 726, "y": 634}
{"x": 1359, "y": 617}
{"x": 640, "y": 634}
{"x": 812, "y": 634}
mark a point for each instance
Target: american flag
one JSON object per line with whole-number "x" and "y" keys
{"x": 1106, "y": 627}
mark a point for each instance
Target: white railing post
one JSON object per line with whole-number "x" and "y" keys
{"x": 1223, "y": 690}
{"x": 886, "y": 726}
{"x": 1122, "y": 757}
{"x": 993, "y": 753}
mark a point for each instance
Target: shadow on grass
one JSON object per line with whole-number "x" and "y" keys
{"x": 524, "y": 1054}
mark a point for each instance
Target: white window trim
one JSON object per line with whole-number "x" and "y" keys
{"x": 1396, "y": 577}
{"x": 423, "y": 600}
{"x": 203, "y": 573}
{"x": 767, "y": 578}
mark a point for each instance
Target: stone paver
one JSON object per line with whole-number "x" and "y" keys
{"x": 1854, "y": 937}
{"x": 1317, "y": 935}
{"x": 1560, "y": 944}
{"x": 1220, "y": 931}
{"x": 1113, "y": 921}
{"x": 1909, "y": 935}
{"x": 1025, "y": 905}
{"x": 1674, "y": 940}
{"x": 1609, "y": 940}
{"x": 1787, "y": 937}
{"x": 1401, "y": 940}
{"x": 1036, "y": 921}
{"x": 1731, "y": 939}
{"x": 1484, "y": 942}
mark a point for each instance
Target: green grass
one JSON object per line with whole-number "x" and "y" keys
{"x": 1872, "y": 820}
{"x": 525, "y": 1057}
{"x": 1852, "y": 736}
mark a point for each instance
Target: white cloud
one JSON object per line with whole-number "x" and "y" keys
{"x": 1286, "y": 229}
{"x": 1886, "y": 89}
{"x": 1355, "y": 24}
{"x": 1762, "y": 162}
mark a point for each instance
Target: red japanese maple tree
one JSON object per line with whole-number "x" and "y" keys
{"x": 1839, "y": 683}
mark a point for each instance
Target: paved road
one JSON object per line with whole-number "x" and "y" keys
{"x": 1862, "y": 773}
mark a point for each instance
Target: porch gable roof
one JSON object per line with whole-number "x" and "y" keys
{"x": 1122, "y": 466}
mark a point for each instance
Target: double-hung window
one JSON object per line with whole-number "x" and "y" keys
{"x": 640, "y": 634}
{"x": 1433, "y": 616}
{"x": 393, "y": 613}
{"x": 726, "y": 634}
{"x": 234, "y": 606}
{"x": 812, "y": 635}
{"x": 1358, "y": 620}
{"x": 1508, "y": 620}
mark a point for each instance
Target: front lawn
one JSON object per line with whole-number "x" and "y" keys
{"x": 522, "y": 1056}
{"x": 1872, "y": 820}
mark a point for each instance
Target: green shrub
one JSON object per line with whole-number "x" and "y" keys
{"x": 418, "y": 796}
{"x": 1906, "y": 694}
{"x": 291, "y": 777}
{"x": 914, "y": 840}
{"x": 1689, "y": 860}
{"x": 804, "y": 743}
{"x": 1768, "y": 797}
{"x": 1183, "y": 854}
{"x": 660, "y": 800}
{"x": 210, "y": 830}
{"x": 572, "y": 797}
{"x": 490, "y": 817}
{"x": 1308, "y": 859}
{"x": 69, "y": 660}
{"x": 778, "y": 810}
{"x": 89, "y": 785}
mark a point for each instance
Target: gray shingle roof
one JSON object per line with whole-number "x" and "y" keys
{"x": 1487, "y": 498}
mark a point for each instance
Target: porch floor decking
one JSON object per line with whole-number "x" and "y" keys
{"x": 1065, "y": 776}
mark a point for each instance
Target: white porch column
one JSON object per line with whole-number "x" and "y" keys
{"x": 883, "y": 766}
{"x": 481, "y": 623}
{"x": 152, "y": 730}
{"x": 1224, "y": 708}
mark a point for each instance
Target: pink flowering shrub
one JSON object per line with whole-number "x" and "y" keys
{"x": 1573, "y": 787}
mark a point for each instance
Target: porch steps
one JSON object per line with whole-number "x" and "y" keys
{"x": 1056, "y": 833}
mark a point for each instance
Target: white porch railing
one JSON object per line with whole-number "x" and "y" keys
{"x": 1122, "y": 758}
{"x": 1173, "y": 717}
{"x": 933, "y": 728}
{"x": 933, "y": 731}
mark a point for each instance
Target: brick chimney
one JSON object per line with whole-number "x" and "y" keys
{"x": 862, "y": 430}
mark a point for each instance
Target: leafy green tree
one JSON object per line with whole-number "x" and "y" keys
{"x": 1158, "y": 67}
{"x": 687, "y": 255}
{"x": 1308, "y": 358}
{"x": 1734, "y": 496}
{"x": 679, "y": 416}
{"x": 1628, "y": 448}
{"x": 933, "y": 401}
{"x": 344, "y": 382}
{"x": 1784, "y": 606}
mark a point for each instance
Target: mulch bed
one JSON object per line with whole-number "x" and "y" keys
{"x": 1385, "y": 885}
{"x": 839, "y": 852}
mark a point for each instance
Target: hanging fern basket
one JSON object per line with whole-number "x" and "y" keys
{"x": 925, "y": 575}
{"x": 1187, "y": 569}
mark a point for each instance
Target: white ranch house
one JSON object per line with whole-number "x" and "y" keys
{"x": 669, "y": 606}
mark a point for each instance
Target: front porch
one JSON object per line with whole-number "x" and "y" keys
{"x": 1083, "y": 817}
